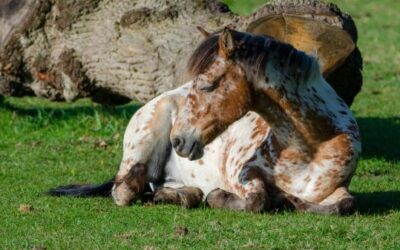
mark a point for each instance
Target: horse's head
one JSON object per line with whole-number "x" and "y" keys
{"x": 220, "y": 95}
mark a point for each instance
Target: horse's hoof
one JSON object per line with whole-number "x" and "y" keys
{"x": 187, "y": 197}
{"x": 191, "y": 197}
{"x": 347, "y": 206}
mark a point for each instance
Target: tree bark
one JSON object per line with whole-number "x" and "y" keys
{"x": 118, "y": 50}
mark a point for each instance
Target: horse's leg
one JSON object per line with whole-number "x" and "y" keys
{"x": 188, "y": 197}
{"x": 340, "y": 202}
{"x": 146, "y": 144}
{"x": 129, "y": 187}
{"x": 255, "y": 198}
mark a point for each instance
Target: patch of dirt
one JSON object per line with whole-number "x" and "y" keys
{"x": 102, "y": 144}
{"x": 125, "y": 236}
{"x": 25, "y": 208}
{"x": 34, "y": 144}
{"x": 181, "y": 231}
{"x": 39, "y": 248}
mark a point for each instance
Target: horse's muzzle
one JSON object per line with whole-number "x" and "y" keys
{"x": 187, "y": 147}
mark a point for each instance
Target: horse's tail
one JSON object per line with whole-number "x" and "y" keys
{"x": 84, "y": 190}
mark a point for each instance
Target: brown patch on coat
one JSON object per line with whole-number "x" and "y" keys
{"x": 236, "y": 105}
{"x": 318, "y": 184}
{"x": 212, "y": 112}
{"x": 246, "y": 149}
{"x": 284, "y": 179}
{"x": 307, "y": 178}
{"x": 160, "y": 109}
{"x": 254, "y": 135}
{"x": 240, "y": 189}
{"x": 338, "y": 149}
{"x": 333, "y": 174}
{"x": 293, "y": 156}
{"x": 283, "y": 113}
{"x": 224, "y": 164}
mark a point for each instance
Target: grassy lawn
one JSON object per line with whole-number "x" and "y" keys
{"x": 45, "y": 144}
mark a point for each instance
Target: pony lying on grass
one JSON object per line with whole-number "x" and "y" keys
{"x": 258, "y": 128}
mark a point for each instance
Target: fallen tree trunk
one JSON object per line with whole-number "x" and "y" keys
{"x": 116, "y": 51}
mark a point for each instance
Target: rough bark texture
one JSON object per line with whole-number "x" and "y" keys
{"x": 117, "y": 50}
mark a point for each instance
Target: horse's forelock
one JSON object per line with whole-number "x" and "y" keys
{"x": 203, "y": 56}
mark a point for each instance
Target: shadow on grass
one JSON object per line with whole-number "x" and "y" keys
{"x": 380, "y": 137}
{"x": 124, "y": 111}
{"x": 377, "y": 202}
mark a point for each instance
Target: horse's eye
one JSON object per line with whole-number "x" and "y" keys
{"x": 209, "y": 87}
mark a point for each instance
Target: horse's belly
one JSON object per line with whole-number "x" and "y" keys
{"x": 201, "y": 173}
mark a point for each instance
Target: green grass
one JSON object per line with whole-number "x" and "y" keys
{"x": 45, "y": 144}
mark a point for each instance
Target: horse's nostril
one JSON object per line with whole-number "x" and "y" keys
{"x": 177, "y": 141}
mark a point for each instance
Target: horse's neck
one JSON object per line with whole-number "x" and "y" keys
{"x": 303, "y": 116}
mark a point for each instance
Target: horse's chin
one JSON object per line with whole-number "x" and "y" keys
{"x": 195, "y": 155}
{"x": 193, "y": 152}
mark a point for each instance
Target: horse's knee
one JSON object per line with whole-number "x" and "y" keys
{"x": 188, "y": 197}
{"x": 130, "y": 187}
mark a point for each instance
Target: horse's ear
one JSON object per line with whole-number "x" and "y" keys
{"x": 226, "y": 43}
{"x": 205, "y": 33}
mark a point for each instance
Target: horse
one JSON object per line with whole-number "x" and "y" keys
{"x": 256, "y": 128}
{"x": 313, "y": 144}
